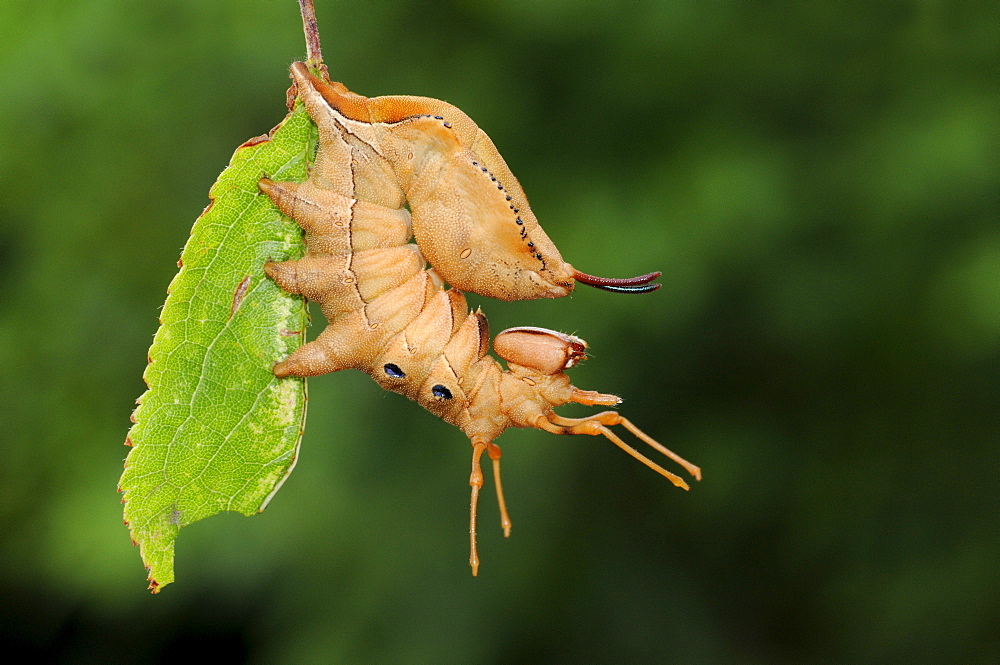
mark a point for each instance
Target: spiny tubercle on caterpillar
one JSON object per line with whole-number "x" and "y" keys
{"x": 391, "y": 317}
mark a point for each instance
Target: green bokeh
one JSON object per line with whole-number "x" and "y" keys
{"x": 819, "y": 182}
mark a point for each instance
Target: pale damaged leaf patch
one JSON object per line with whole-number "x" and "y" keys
{"x": 216, "y": 431}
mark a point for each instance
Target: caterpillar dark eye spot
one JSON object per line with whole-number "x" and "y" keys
{"x": 441, "y": 392}
{"x": 394, "y": 371}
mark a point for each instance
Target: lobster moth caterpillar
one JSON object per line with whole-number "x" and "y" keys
{"x": 389, "y": 169}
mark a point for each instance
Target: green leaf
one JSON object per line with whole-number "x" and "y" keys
{"x": 216, "y": 430}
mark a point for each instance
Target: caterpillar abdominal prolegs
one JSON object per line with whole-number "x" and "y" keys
{"x": 391, "y": 168}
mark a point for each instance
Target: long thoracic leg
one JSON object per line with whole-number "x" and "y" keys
{"x": 476, "y": 481}
{"x": 494, "y": 452}
{"x": 612, "y": 418}
{"x": 598, "y": 425}
{"x": 594, "y": 398}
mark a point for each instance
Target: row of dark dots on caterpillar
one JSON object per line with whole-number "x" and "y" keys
{"x": 436, "y": 117}
{"x": 393, "y": 370}
{"x": 519, "y": 221}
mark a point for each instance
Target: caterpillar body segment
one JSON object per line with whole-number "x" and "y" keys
{"x": 391, "y": 316}
{"x": 312, "y": 206}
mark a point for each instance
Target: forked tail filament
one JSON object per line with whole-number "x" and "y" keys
{"x": 640, "y": 284}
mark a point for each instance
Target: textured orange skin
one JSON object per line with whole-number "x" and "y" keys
{"x": 391, "y": 168}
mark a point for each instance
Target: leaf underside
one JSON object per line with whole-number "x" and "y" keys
{"x": 216, "y": 431}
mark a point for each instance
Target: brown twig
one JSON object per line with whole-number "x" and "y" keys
{"x": 314, "y": 54}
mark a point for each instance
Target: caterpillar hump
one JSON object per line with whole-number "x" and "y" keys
{"x": 470, "y": 216}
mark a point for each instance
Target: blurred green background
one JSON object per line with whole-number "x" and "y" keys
{"x": 820, "y": 184}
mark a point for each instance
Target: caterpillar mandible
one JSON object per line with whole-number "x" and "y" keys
{"x": 391, "y": 317}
